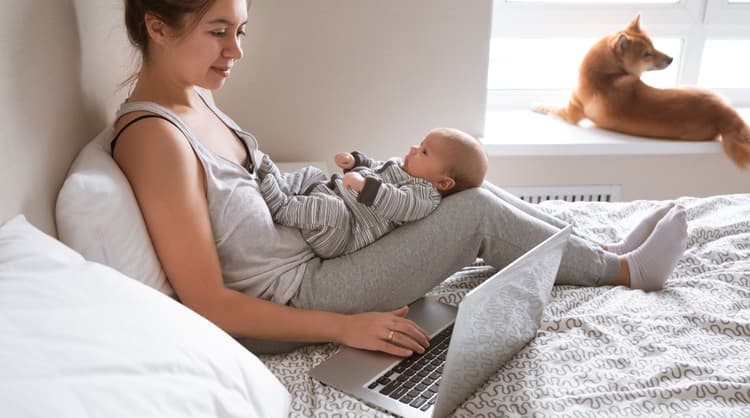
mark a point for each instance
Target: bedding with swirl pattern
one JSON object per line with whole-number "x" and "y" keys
{"x": 607, "y": 351}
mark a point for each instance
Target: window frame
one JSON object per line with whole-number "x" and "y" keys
{"x": 693, "y": 21}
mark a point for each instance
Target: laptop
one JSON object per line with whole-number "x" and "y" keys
{"x": 468, "y": 345}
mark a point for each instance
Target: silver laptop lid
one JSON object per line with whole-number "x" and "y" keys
{"x": 496, "y": 319}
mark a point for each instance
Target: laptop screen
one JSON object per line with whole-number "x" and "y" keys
{"x": 495, "y": 321}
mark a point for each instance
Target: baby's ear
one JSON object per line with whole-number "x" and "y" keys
{"x": 444, "y": 184}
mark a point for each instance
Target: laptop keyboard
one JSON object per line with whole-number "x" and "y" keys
{"x": 415, "y": 380}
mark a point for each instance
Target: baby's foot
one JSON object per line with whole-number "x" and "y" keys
{"x": 641, "y": 232}
{"x": 651, "y": 264}
{"x": 273, "y": 194}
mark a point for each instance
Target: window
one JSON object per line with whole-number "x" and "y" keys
{"x": 537, "y": 45}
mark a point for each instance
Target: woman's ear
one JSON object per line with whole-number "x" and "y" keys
{"x": 157, "y": 29}
{"x": 444, "y": 184}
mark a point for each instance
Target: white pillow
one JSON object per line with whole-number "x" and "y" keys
{"x": 24, "y": 249}
{"x": 98, "y": 216}
{"x": 81, "y": 339}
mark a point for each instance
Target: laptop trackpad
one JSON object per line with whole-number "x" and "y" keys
{"x": 351, "y": 367}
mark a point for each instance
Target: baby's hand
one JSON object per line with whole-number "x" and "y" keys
{"x": 267, "y": 167}
{"x": 344, "y": 160}
{"x": 354, "y": 181}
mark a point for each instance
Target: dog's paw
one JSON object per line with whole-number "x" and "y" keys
{"x": 541, "y": 108}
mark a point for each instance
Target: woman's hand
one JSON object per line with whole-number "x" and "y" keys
{"x": 344, "y": 160}
{"x": 388, "y": 332}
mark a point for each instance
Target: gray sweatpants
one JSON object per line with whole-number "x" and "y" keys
{"x": 403, "y": 265}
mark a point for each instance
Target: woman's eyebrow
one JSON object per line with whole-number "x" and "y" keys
{"x": 224, "y": 21}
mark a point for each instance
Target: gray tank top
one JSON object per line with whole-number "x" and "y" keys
{"x": 258, "y": 257}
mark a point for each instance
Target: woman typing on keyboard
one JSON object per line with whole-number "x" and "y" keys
{"x": 192, "y": 172}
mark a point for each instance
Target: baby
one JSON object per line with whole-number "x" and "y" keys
{"x": 345, "y": 213}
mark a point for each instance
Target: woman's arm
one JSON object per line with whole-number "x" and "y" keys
{"x": 169, "y": 184}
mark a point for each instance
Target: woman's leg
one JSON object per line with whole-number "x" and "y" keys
{"x": 406, "y": 263}
{"x": 630, "y": 242}
{"x": 524, "y": 206}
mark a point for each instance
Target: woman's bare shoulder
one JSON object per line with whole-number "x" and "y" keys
{"x": 147, "y": 136}
{"x": 154, "y": 154}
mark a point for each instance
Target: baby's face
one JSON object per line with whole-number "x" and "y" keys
{"x": 426, "y": 160}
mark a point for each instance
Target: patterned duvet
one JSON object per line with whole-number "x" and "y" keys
{"x": 607, "y": 351}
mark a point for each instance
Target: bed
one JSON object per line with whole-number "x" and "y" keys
{"x": 607, "y": 351}
{"x": 90, "y": 327}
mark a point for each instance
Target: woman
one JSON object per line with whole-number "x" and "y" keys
{"x": 191, "y": 169}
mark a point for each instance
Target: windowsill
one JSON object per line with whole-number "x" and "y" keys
{"x": 519, "y": 132}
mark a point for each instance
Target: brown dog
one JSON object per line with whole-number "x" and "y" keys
{"x": 611, "y": 94}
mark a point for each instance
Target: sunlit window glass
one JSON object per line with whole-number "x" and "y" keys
{"x": 609, "y": 1}
{"x": 552, "y": 63}
{"x": 725, "y": 63}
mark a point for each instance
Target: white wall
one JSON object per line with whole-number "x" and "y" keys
{"x": 41, "y": 105}
{"x": 330, "y": 75}
{"x": 335, "y": 75}
{"x": 57, "y": 90}
{"x": 319, "y": 77}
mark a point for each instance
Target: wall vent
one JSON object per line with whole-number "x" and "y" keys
{"x": 583, "y": 193}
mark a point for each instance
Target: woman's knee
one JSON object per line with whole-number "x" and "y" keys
{"x": 476, "y": 200}
{"x": 466, "y": 212}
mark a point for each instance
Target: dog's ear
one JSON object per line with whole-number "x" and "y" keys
{"x": 622, "y": 43}
{"x": 635, "y": 24}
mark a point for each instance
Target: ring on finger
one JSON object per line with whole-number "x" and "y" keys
{"x": 390, "y": 336}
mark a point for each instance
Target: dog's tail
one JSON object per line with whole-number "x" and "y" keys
{"x": 735, "y": 137}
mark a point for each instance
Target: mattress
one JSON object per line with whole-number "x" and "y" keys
{"x": 606, "y": 351}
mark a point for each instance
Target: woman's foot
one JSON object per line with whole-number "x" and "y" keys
{"x": 640, "y": 233}
{"x": 651, "y": 264}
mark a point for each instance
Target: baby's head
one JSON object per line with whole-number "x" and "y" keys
{"x": 450, "y": 159}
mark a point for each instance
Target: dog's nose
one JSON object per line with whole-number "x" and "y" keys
{"x": 669, "y": 60}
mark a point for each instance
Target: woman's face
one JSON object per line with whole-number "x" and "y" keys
{"x": 205, "y": 55}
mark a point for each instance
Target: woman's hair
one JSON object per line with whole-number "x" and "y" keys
{"x": 172, "y": 12}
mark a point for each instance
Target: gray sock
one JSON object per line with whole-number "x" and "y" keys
{"x": 641, "y": 232}
{"x": 651, "y": 264}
